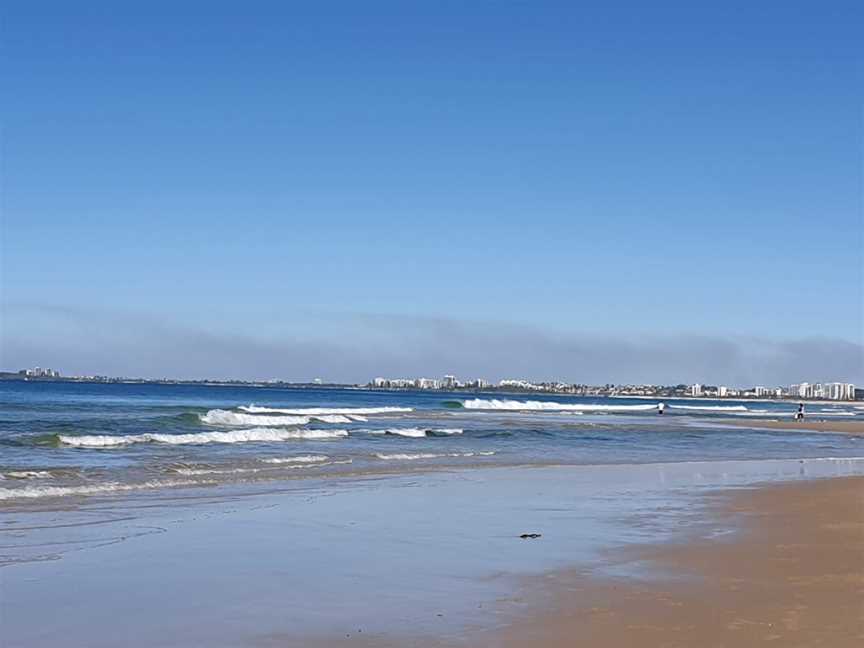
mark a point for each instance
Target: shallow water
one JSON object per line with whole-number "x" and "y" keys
{"x": 421, "y": 555}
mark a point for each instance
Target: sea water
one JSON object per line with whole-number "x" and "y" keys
{"x": 61, "y": 440}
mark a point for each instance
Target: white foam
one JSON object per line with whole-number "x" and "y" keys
{"x": 416, "y": 432}
{"x": 191, "y": 472}
{"x": 403, "y": 456}
{"x": 549, "y": 406}
{"x": 288, "y": 462}
{"x": 33, "y": 492}
{"x": 224, "y": 417}
{"x": 233, "y": 436}
{"x": 710, "y": 408}
{"x": 301, "y": 459}
{"x": 316, "y": 411}
{"x": 26, "y": 474}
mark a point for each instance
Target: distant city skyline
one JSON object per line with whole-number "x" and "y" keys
{"x": 827, "y": 390}
{"x": 417, "y": 187}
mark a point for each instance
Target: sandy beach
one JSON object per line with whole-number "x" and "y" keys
{"x": 793, "y": 577}
{"x": 808, "y": 425}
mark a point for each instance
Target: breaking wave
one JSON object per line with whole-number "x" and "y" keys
{"x": 191, "y": 472}
{"x": 224, "y": 417}
{"x": 311, "y": 461}
{"x": 234, "y": 436}
{"x": 710, "y": 408}
{"x": 417, "y": 432}
{"x": 25, "y": 474}
{"x": 303, "y": 459}
{"x": 549, "y": 406}
{"x": 318, "y": 411}
{"x": 33, "y": 492}
{"x": 402, "y": 456}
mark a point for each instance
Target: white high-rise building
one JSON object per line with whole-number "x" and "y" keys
{"x": 696, "y": 390}
{"x": 839, "y": 391}
{"x": 828, "y": 391}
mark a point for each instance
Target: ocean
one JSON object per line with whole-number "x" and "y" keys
{"x": 61, "y": 441}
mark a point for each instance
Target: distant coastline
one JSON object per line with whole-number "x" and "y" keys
{"x": 589, "y": 392}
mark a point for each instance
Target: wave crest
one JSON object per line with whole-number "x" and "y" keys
{"x": 548, "y": 406}
{"x": 225, "y": 417}
{"x": 300, "y": 459}
{"x": 35, "y": 492}
{"x": 319, "y": 411}
{"x": 418, "y": 432}
{"x": 25, "y": 474}
{"x": 409, "y": 456}
{"x": 710, "y": 408}
{"x": 233, "y": 436}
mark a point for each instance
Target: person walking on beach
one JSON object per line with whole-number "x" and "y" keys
{"x": 661, "y": 407}
{"x": 799, "y": 415}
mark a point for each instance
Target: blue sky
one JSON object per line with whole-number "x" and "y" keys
{"x": 337, "y": 181}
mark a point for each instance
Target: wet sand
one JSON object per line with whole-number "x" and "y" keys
{"x": 808, "y": 425}
{"x": 794, "y": 576}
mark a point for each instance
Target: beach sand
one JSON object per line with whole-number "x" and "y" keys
{"x": 793, "y": 577}
{"x": 808, "y": 425}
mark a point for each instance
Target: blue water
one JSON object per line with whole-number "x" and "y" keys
{"x": 62, "y": 440}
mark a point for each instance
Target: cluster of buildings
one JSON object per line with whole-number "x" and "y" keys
{"x": 525, "y": 385}
{"x": 825, "y": 391}
{"x": 721, "y": 391}
{"x": 816, "y": 391}
{"x": 39, "y": 372}
{"x": 447, "y": 382}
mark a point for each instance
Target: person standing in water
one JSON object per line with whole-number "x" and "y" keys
{"x": 799, "y": 415}
{"x": 661, "y": 407}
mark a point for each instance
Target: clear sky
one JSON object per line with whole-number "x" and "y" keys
{"x": 582, "y": 190}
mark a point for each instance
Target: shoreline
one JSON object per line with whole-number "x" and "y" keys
{"x": 287, "y": 484}
{"x": 853, "y": 428}
{"x": 793, "y": 574}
